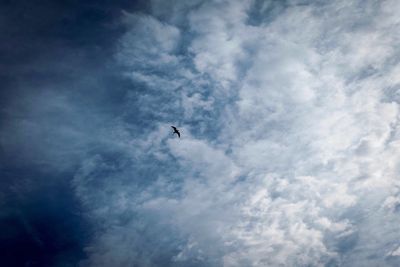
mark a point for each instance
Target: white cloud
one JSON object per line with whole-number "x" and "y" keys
{"x": 395, "y": 252}
{"x": 306, "y": 147}
{"x": 148, "y": 43}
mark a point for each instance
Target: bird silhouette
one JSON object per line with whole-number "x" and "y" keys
{"x": 176, "y": 131}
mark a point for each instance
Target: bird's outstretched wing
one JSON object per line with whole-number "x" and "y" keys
{"x": 176, "y": 131}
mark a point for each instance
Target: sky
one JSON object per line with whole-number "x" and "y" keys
{"x": 290, "y": 136}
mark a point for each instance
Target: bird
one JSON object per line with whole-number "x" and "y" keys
{"x": 176, "y": 131}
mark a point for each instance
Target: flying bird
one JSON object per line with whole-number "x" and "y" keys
{"x": 176, "y": 131}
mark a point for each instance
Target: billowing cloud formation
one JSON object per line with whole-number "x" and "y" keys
{"x": 289, "y": 153}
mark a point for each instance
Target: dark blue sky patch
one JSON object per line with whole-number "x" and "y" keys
{"x": 41, "y": 220}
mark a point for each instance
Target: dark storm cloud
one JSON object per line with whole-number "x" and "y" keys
{"x": 56, "y": 66}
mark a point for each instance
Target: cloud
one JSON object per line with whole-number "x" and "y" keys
{"x": 148, "y": 44}
{"x": 289, "y": 146}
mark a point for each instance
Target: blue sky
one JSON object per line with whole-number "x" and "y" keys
{"x": 288, "y": 112}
